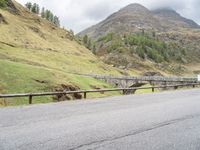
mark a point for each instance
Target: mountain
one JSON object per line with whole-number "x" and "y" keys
{"x": 138, "y": 38}
{"x": 135, "y": 17}
{"x": 171, "y": 19}
{"x": 37, "y": 56}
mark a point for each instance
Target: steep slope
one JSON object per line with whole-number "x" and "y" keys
{"x": 171, "y": 19}
{"x": 135, "y": 37}
{"x": 37, "y": 56}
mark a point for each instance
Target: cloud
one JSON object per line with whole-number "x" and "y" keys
{"x": 79, "y": 14}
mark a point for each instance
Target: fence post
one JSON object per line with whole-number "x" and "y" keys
{"x": 85, "y": 95}
{"x": 30, "y": 99}
{"x": 175, "y": 87}
{"x": 124, "y": 92}
{"x": 153, "y": 89}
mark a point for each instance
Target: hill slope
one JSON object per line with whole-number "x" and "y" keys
{"x": 160, "y": 39}
{"x": 37, "y": 56}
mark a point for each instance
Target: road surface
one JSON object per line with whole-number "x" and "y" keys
{"x": 159, "y": 121}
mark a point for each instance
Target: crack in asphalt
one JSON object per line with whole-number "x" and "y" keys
{"x": 142, "y": 130}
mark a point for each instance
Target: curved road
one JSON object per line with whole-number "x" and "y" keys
{"x": 159, "y": 121}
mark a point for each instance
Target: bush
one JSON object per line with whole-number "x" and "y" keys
{"x": 154, "y": 55}
{"x": 106, "y": 38}
{"x": 140, "y": 52}
{"x": 2, "y": 3}
{"x": 114, "y": 46}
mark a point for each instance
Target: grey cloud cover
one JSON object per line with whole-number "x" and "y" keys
{"x": 80, "y": 14}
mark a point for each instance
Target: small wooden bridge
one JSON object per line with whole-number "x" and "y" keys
{"x": 125, "y": 81}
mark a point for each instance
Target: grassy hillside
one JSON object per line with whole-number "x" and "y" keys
{"x": 37, "y": 56}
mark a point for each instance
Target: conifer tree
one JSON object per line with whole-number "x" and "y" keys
{"x": 28, "y": 6}
{"x": 43, "y": 12}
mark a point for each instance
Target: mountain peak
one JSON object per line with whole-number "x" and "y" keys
{"x": 135, "y": 7}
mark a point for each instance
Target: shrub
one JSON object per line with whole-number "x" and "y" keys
{"x": 106, "y": 38}
{"x": 2, "y": 3}
{"x": 114, "y": 46}
{"x": 140, "y": 52}
{"x": 154, "y": 55}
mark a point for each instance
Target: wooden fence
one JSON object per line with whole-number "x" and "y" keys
{"x": 84, "y": 92}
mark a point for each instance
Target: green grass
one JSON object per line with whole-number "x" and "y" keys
{"x": 87, "y": 83}
{"x": 142, "y": 91}
{"x": 23, "y": 78}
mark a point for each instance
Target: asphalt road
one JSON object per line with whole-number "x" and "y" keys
{"x": 159, "y": 121}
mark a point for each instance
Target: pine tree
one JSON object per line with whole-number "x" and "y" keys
{"x": 43, "y": 12}
{"x": 34, "y": 8}
{"x": 56, "y": 21}
{"x": 71, "y": 32}
{"x": 46, "y": 14}
{"x": 51, "y": 17}
{"x": 28, "y": 6}
{"x": 89, "y": 44}
{"x": 37, "y": 9}
{"x": 94, "y": 49}
{"x": 85, "y": 40}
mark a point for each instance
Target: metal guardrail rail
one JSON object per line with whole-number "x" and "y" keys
{"x": 31, "y": 95}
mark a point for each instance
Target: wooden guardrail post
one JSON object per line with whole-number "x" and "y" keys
{"x": 30, "y": 99}
{"x": 85, "y": 95}
{"x": 123, "y": 92}
{"x": 175, "y": 87}
{"x": 153, "y": 89}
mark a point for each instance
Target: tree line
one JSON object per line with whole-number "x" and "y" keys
{"x": 44, "y": 13}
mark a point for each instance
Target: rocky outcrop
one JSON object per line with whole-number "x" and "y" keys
{"x": 64, "y": 97}
{"x": 11, "y": 7}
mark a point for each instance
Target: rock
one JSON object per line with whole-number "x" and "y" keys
{"x": 63, "y": 97}
{"x": 11, "y": 7}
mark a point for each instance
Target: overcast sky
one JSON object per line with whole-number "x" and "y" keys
{"x": 80, "y": 14}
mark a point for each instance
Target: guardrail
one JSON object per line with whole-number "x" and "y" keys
{"x": 124, "y": 90}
